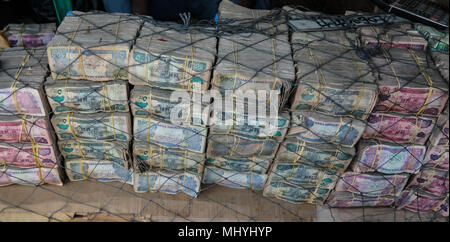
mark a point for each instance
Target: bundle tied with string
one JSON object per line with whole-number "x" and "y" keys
{"x": 401, "y": 35}
{"x": 30, "y": 35}
{"x": 93, "y": 46}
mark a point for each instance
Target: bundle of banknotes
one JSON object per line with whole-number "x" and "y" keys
{"x": 93, "y": 46}
{"x": 437, "y": 40}
{"x": 430, "y": 183}
{"x": 401, "y": 35}
{"x": 409, "y": 83}
{"x": 173, "y": 57}
{"x": 411, "y": 200}
{"x": 349, "y": 200}
{"x": 441, "y": 61}
{"x": 30, "y": 35}
{"x": 22, "y": 74}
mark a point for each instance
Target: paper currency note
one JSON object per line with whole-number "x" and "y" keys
{"x": 30, "y": 176}
{"x": 18, "y": 129}
{"x": 21, "y": 100}
{"x": 431, "y": 183}
{"x": 350, "y": 200}
{"x": 98, "y": 126}
{"x": 296, "y": 194}
{"x": 24, "y": 155}
{"x": 238, "y": 147}
{"x": 234, "y": 179}
{"x": 167, "y": 182}
{"x": 437, "y": 157}
{"x": 163, "y": 133}
{"x": 256, "y": 164}
{"x": 98, "y": 170}
{"x": 30, "y": 35}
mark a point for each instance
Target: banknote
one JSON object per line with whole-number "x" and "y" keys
{"x": 388, "y": 158}
{"x": 98, "y": 170}
{"x": 93, "y": 46}
{"x": 165, "y": 181}
{"x": 372, "y": 184}
{"x": 296, "y": 194}
{"x": 175, "y": 59}
{"x": 437, "y": 157}
{"x": 430, "y": 183}
{"x": 150, "y": 157}
{"x": 154, "y": 101}
{"x": 440, "y": 134}
{"x": 350, "y": 200}
{"x": 256, "y": 164}
{"x": 117, "y": 151}
{"x": 438, "y": 41}
{"x": 30, "y": 35}
{"x": 266, "y": 66}
{"x": 399, "y": 129}
{"x": 31, "y": 176}
{"x": 98, "y": 126}
{"x": 412, "y": 201}
{"x": 25, "y": 155}
{"x": 87, "y": 96}
{"x": 22, "y": 100}
{"x": 401, "y": 35}
{"x": 249, "y": 126}
{"x": 336, "y": 98}
{"x": 336, "y": 39}
{"x": 303, "y": 175}
{"x": 234, "y": 179}
{"x": 163, "y": 133}
{"x": 318, "y": 128}
{"x": 326, "y": 156}
{"x": 17, "y": 129}
{"x": 23, "y": 65}
{"x": 238, "y": 147}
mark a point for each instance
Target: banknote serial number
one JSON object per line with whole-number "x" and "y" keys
{"x": 231, "y": 231}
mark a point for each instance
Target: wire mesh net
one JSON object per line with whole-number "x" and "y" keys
{"x": 126, "y": 118}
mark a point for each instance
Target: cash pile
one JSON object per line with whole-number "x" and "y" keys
{"x": 30, "y": 35}
{"x": 428, "y": 190}
{"x": 335, "y": 93}
{"x": 93, "y": 46}
{"x": 169, "y": 63}
{"x": 254, "y": 71}
{"x": 28, "y": 155}
{"x": 400, "y": 35}
{"x": 92, "y": 119}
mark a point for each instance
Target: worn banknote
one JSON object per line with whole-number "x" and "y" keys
{"x": 117, "y": 151}
{"x": 440, "y": 134}
{"x": 399, "y": 129}
{"x": 98, "y": 170}
{"x": 93, "y": 46}
{"x": 27, "y": 129}
{"x": 372, "y": 184}
{"x": 166, "y": 181}
{"x": 87, "y": 96}
{"x": 150, "y": 157}
{"x": 30, "y": 35}
{"x": 98, "y": 126}
{"x": 438, "y": 40}
{"x": 169, "y": 135}
{"x": 234, "y": 179}
{"x": 159, "y": 102}
{"x": 23, "y": 65}
{"x": 238, "y": 147}
{"x": 319, "y": 128}
{"x": 401, "y": 35}
{"x": 256, "y": 164}
{"x": 437, "y": 157}
{"x": 430, "y": 183}
{"x": 388, "y": 158}
{"x": 326, "y": 156}
{"x": 28, "y": 155}
{"x": 248, "y": 126}
{"x": 296, "y": 194}
{"x": 31, "y": 176}
{"x": 174, "y": 58}
{"x": 351, "y": 200}
{"x": 441, "y": 61}
{"x": 303, "y": 175}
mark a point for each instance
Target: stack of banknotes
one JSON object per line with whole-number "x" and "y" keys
{"x": 30, "y": 35}
{"x": 89, "y": 97}
{"x": 437, "y": 40}
{"x": 93, "y": 46}
{"x": 441, "y": 61}
{"x": 428, "y": 190}
{"x": 252, "y": 59}
{"x": 28, "y": 154}
{"x": 170, "y": 67}
{"x": 400, "y": 35}
{"x": 334, "y": 94}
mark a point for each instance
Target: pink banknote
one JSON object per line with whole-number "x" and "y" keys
{"x": 430, "y": 183}
{"x": 437, "y": 157}
{"x": 26, "y": 129}
{"x": 22, "y": 155}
